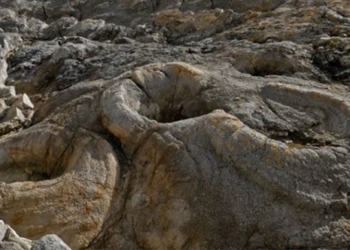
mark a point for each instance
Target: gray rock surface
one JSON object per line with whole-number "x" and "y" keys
{"x": 191, "y": 124}
{"x": 10, "y": 240}
{"x": 49, "y": 242}
{"x": 3, "y": 229}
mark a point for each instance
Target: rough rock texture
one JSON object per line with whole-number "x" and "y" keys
{"x": 9, "y": 240}
{"x": 50, "y": 241}
{"x": 176, "y": 124}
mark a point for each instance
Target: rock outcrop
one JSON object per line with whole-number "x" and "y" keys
{"x": 175, "y": 124}
{"x": 10, "y": 240}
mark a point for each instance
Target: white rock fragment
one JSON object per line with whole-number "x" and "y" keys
{"x": 23, "y": 102}
{"x": 3, "y": 229}
{"x": 3, "y": 72}
{"x": 3, "y": 108}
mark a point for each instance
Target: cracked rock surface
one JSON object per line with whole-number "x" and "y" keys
{"x": 175, "y": 124}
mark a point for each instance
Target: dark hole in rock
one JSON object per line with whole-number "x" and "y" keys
{"x": 171, "y": 114}
{"x": 182, "y": 109}
{"x": 333, "y": 66}
{"x": 37, "y": 176}
{"x": 298, "y": 139}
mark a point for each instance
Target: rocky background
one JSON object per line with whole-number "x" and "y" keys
{"x": 175, "y": 124}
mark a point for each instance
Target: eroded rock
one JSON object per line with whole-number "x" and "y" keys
{"x": 10, "y": 240}
{"x": 235, "y": 148}
{"x": 175, "y": 124}
{"x": 49, "y": 242}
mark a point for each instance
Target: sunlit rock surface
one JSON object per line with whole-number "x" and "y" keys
{"x": 175, "y": 124}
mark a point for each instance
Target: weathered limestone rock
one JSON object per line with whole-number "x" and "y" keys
{"x": 3, "y": 229}
{"x": 86, "y": 27}
{"x": 13, "y": 117}
{"x": 91, "y": 176}
{"x": 3, "y": 108}
{"x": 175, "y": 124}
{"x": 330, "y": 52}
{"x": 182, "y": 27}
{"x": 50, "y": 241}
{"x": 267, "y": 163}
{"x": 59, "y": 27}
{"x": 10, "y": 240}
{"x": 6, "y": 45}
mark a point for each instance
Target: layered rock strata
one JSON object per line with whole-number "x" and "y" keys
{"x": 175, "y": 124}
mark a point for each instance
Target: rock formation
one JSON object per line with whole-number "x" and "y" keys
{"x": 10, "y": 240}
{"x": 175, "y": 124}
